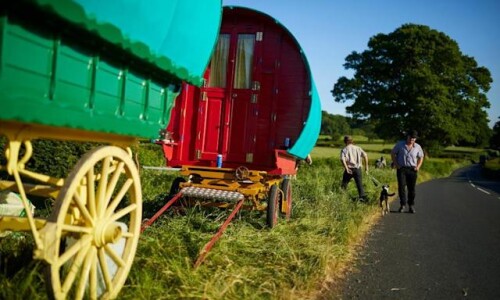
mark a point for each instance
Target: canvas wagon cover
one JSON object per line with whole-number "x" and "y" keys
{"x": 176, "y": 35}
{"x": 108, "y": 66}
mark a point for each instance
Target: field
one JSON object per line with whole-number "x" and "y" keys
{"x": 296, "y": 260}
{"x": 376, "y": 150}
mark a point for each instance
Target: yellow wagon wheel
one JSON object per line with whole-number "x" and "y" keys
{"x": 98, "y": 217}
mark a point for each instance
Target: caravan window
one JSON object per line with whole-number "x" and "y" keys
{"x": 244, "y": 61}
{"x": 218, "y": 65}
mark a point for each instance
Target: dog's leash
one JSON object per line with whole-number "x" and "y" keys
{"x": 374, "y": 180}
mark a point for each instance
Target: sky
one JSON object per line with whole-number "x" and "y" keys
{"x": 329, "y": 30}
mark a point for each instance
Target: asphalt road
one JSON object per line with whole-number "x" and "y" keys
{"x": 449, "y": 249}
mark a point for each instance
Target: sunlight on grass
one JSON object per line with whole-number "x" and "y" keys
{"x": 249, "y": 261}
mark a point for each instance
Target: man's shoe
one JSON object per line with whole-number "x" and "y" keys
{"x": 411, "y": 210}
{"x": 401, "y": 208}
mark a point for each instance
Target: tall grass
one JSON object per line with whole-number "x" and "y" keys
{"x": 250, "y": 261}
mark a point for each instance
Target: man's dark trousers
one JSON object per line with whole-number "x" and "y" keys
{"x": 407, "y": 178}
{"x": 357, "y": 175}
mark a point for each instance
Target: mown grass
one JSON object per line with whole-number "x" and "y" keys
{"x": 250, "y": 261}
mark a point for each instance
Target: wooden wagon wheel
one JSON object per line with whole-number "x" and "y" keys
{"x": 272, "y": 206}
{"x": 98, "y": 217}
{"x": 286, "y": 204}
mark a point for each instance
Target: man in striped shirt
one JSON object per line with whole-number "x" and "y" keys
{"x": 407, "y": 157}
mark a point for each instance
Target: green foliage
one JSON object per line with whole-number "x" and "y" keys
{"x": 335, "y": 126}
{"x": 495, "y": 138}
{"x": 416, "y": 77}
{"x": 155, "y": 183}
{"x": 493, "y": 153}
{"x": 20, "y": 276}
{"x": 149, "y": 154}
{"x": 442, "y": 168}
{"x": 54, "y": 158}
{"x": 50, "y": 157}
{"x": 324, "y": 141}
{"x": 492, "y": 168}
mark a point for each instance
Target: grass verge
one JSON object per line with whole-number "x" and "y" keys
{"x": 294, "y": 260}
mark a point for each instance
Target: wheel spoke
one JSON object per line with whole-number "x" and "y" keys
{"x": 91, "y": 192}
{"x": 76, "y": 229}
{"x": 105, "y": 269}
{"x": 123, "y": 212}
{"x": 93, "y": 277}
{"x": 116, "y": 258}
{"x": 118, "y": 198}
{"x": 103, "y": 184}
{"x": 82, "y": 243}
{"x": 83, "y": 209}
{"x": 87, "y": 264}
{"x": 127, "y": 234}
{"x": 112, "y": 184}
{"x": 75, "y": 267}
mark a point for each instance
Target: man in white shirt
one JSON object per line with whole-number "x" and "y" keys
{"x": 352, "y": 158}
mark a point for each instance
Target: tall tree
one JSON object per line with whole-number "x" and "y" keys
{"x": 417, "y": 77}
{"x": 334, "y": 125}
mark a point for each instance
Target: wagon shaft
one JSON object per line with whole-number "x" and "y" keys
{"x": 31, "y": 189}
{"x": 18, "y": 224}
{"x": 208, "y": 246}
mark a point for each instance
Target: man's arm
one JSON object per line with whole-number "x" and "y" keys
{"x": 309, "y": 160}
{"x": 419, "y": 163}
{"x": 420, "y": 160}
{"x": 346, "y": 168}
{"x": 344, "y": 162}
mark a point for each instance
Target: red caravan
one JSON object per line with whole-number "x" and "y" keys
{"x": 258, "y": 107}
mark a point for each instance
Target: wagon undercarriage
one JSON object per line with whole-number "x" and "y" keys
{"x": 228, "y": 188}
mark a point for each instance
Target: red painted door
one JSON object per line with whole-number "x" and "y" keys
{"x": 228, "y": 111}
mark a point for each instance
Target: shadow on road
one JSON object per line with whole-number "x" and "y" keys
{"x": 449, "y": 249}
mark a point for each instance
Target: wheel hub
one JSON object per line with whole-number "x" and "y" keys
{"x": 106, "y": 233}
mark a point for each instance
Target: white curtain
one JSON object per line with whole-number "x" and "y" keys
{"x": 244, "y": 61}
{"x": 218, "y": 65}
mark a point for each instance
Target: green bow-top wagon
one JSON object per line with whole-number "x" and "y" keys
{"x": 100, "y": 71}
